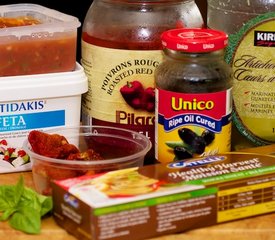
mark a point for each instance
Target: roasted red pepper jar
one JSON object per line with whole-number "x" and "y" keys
{"x": 121, "y": 47}
{"x": 193, "y": 95}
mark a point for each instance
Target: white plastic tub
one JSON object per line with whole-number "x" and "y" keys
{"x": 41, "y": 101}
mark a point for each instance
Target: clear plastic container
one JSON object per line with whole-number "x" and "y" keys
{"x": 120, "y": 52}
{"x": 251, "y": 53}
{"x": 45, "y": 46}
{"x": 128, "y": 149}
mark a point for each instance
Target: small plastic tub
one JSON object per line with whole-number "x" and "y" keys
{"x": 35, "y": 39}
{"x": 119, "y": 149}
{"x": 41, "y": 101}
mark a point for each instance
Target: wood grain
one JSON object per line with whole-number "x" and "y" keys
{"x": 254, "y": 228}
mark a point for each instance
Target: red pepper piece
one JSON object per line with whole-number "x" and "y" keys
{"x": 10, "y": 150}
{"x": 136, "y": 103}
{"x": 4, "y": 142}
{"x": 148, "y": 99}
{"x": 21, "y": 153}
{"x": 132, "y": 93}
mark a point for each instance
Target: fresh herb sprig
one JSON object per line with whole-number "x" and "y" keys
{"x": 22, "y": 207}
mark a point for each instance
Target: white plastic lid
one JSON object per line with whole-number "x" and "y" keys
{"x": 39, "y": 86}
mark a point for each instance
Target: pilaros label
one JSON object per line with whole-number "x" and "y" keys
{"x": 190, "y": 125}
{"x": 121, "y": 88}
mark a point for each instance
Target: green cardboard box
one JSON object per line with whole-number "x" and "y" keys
{"x": 145, "y": 202}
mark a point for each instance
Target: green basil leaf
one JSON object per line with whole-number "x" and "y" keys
{"x": 10, "y": 195}
{"x": 19, "y": 188}
{"x": 46, "y": 204}
{"x": 40, "y": 203}
{"x": 6, "y": 197}
{"x": 29, "y": 199}
{"x": 23, "y": 207}
{"x": 26, "y": 220}
{"x": 6, "y": 214}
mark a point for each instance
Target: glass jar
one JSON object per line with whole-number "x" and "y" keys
{"x": 121, "y": 48}
{"x": 231, "y": 15}
{"x": 193, "y": 95}
{"x": 251, "y": 53}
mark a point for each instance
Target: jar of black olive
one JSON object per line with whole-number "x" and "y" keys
{"x": 193, "y": 95}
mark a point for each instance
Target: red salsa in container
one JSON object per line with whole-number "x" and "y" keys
{"x": 35, "y": 39}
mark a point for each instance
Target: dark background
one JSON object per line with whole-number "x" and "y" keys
{"x": 79, "y": 9}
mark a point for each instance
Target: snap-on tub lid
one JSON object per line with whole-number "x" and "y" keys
{"x": 50, "y": 85}
{"x": 51, "y": 20}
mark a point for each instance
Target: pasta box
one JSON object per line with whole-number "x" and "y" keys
{"x": 145, "y": 202}
{"x": 38, "y": 101}
{"x": 36, "y": 40}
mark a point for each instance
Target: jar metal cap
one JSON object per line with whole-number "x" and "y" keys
{"x": 194, "y": 40}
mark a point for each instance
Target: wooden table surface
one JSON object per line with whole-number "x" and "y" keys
{"x": 254, "y": 228}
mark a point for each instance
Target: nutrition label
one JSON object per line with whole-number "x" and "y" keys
{"x": 246, "y": 201}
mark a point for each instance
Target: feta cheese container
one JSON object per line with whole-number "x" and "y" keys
{"x": 36, "y": 40}
{"x": 40, "y": 101}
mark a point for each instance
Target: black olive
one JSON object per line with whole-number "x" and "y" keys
{"x": 182, "y": 153}
{"x": 187, "y": 135}
{"x": 208, "y": 137}
{"x": 198, "y": 145}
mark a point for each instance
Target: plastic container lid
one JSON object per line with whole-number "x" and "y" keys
{"x": 51, "y": 20}
{"x": 37, "y": 86}
{"x": 194, "y": 40}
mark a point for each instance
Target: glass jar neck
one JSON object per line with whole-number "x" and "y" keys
{"x": 145, "y": 2}
{"x": 179, "y": 55}
{"x": 145, "y": 5}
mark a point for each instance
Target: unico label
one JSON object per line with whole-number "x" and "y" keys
{"x": 191, "y": 125}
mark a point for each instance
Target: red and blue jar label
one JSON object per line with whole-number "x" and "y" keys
{"x": 192, "y": 125}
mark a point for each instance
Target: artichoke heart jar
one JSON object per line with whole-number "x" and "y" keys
{"x": 193, "y": 95}
{"x": 121, "y": 48}
{"x": 250, "y": 25}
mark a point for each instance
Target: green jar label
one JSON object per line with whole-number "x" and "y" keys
{"x": 251, "y": 53}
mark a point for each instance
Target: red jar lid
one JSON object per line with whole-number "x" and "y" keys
{"x": 194, "y": 40}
